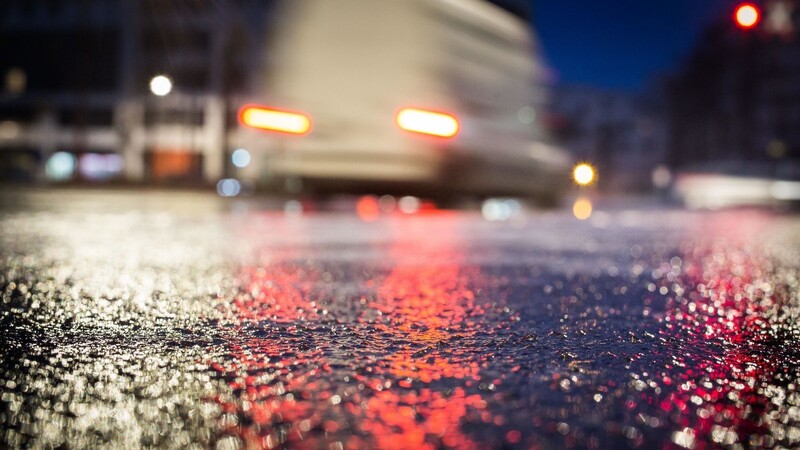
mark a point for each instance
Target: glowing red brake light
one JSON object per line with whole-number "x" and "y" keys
{"x": 272, "y": 119}
{"x": 427, "y": 122}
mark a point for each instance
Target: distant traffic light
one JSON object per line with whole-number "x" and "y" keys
{"x": 747, "y": 16}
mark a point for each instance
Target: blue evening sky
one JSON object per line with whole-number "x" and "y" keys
{"x": 620, "y": 44}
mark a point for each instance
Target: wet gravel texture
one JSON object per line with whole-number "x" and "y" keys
{"x": 179, "y": 320}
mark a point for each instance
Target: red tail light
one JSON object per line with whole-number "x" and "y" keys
{"x": 273, "y": 119}
{"x": 432, "y": 123}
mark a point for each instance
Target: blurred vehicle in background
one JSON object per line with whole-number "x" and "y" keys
{"x": 739, "y": 183}
{"x": 433, "y": 97}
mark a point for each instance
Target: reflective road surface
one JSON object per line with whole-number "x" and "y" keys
{"x": 185, "y": 320}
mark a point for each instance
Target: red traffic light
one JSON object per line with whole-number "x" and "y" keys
{"x": 747, "y": 16}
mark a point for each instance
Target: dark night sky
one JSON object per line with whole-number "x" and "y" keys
{"x": 619, "y": 44}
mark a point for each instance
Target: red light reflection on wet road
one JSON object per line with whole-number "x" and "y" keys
{"x": 426, "y": 300}
{"x": 715, "y": 391}
{"x": 279, "y": 292}
{"x": 720, "y": 394}
{"x": 406, "y": 383}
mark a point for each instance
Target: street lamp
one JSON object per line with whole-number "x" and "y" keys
{"x": 583, "y": 174}
{"x": 160, "y": 85}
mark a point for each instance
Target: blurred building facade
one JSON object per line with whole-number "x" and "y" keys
{"x": 75, "y": 102}
{"x": 75, "y": 83}
{"x": 737, "y": 97}
{"x": 623, "y": 134}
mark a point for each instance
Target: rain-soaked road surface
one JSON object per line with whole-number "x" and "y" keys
{"x": 179, "y": 320}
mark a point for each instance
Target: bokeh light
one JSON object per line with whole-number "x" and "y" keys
{"x": 495, "y": 209}
{"x": 241, "y": 158}
{"x": 409, "y": 204}
{"x": 583, "y": 174}
{"x": 99, "y": 166}
{"x": 61, "y": 166}
{"x": 582, "y": 208}
{"x": 367, "y": 208}
{"x": 161, "y": 85}
{"x": 747, "y": 15}
{"x": 229, "y": 187}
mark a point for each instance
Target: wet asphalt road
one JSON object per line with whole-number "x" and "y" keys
{"x": 182, "y": 320}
